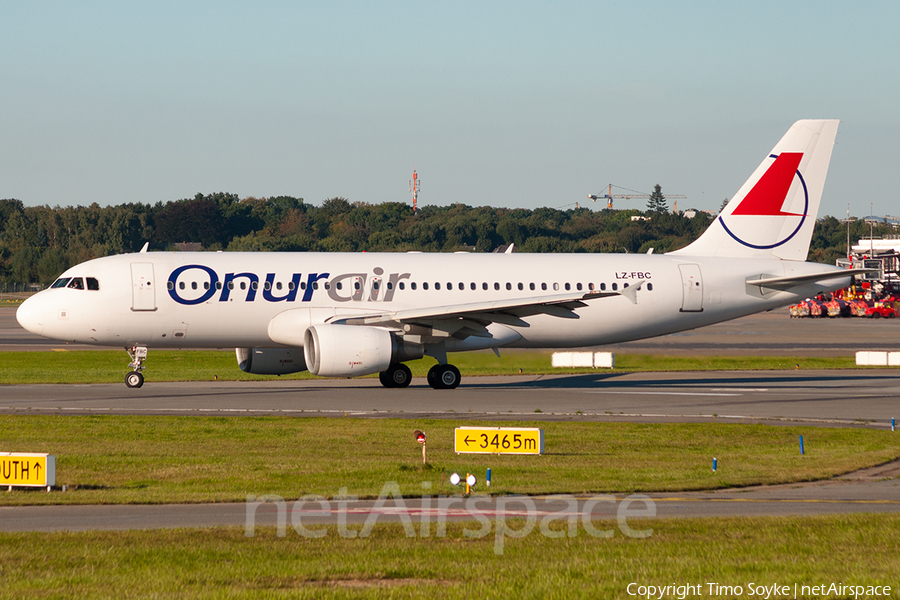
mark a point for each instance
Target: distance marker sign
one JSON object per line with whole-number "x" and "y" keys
{"x": 498, "y": 440}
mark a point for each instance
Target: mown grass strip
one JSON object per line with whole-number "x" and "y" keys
{"x": 164, "y": 459}
{"x": 223, "y": 563}
{"x": 110, "y": 366}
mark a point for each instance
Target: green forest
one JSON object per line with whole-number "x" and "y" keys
{"x": 38, "y": 243}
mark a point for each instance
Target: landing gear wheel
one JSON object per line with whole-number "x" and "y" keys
{"x": 134, "y": 380}
{"x": 443, "y": 377}
{"x": 397, "y": 376}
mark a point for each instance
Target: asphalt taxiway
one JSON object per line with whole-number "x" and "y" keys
{"x": 831, "y": 398}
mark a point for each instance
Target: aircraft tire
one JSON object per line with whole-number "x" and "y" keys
{"x": 397, "y": 376}
{"x": 443, "y": 377}
{"x": 134, "y": 380}
{"x": 432, "y": 376}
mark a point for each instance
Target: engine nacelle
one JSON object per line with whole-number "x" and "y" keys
{"x": 270, "y": 361}
{"x": 350, "y": 350}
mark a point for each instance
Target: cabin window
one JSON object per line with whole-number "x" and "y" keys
{"x": 327, "y": 285}
{"x": 555, "y": 287}
{"x": 170, "y": 285}
{"x": 218, "y": 285}
{"x": 267, "y": 285}
{"x": 193, "y": 285}
{"x": 521, "y": 287}
{"x": 484, "y": 285}
{"x": 412, "y": 285}
{"x": 180, "y": 285}
{"x": 401, "y": 285}
{"x": 531, "y": 286}
{"x": 277, "y": 285}
{"x": 544, "y": 286}
{"x": 615, "y": 286}
{"x": 602, "y": 287}
{"x": 496, "y": 285}
{"x": 437, "y": 286}
{"x": 205, "y": 285}
{"x": 578, "y": 286}
{"x": 356, "y": 285}
{"x": 649, "y": 287}
{"x": 375, "y": 285}
{"x": 591, "y": 286}
{"x": 508, "y": 286}
{"x": 254, "y": 285}
{"x": 424, "y": 285}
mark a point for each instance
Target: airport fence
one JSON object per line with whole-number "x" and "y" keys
{"x": 16, "y": 292}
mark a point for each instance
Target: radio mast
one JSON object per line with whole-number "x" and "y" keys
{"x": 414, "y": 188}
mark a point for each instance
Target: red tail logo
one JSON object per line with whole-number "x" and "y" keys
{"x": 767, "y": 196}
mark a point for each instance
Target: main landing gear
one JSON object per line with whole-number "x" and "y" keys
{"x": 443, "y": 377}
{"x": 396, "y": 376}
{"x": 138, "y": 355}
{"x": 440, "y": 377}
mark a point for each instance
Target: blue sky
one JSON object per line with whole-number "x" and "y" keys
{"x": 519, "y": 104}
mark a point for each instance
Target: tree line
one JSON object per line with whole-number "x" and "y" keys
{"x": 38, "y": 243}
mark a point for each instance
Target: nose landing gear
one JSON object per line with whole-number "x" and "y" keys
{"x": 138, "y": 355}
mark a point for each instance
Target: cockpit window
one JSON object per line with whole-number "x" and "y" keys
{"x": 61, "y": 282}
{"x": 77, "y": 283}
{"x": 92, "y": 283}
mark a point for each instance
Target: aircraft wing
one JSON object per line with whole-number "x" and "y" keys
{"x": 463, "y": 320}
{"x": 785, "y": 283}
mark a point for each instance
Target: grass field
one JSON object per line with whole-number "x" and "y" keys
{"x": 223, "y": 563}
{"x": 110, "y": 366}
{"x": 164, "y": 459}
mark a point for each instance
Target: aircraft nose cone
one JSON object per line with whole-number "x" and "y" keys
{"x": 30, "y": 316}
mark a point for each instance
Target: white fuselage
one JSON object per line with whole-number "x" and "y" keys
{"x": 225, "y": 299}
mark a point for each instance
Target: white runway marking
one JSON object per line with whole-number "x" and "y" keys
{"x": 660, "y": 393}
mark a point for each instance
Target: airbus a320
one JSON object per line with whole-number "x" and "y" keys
{"x": 352, "y": 314}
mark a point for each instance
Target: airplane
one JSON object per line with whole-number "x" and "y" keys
{"x": 353, "y": 314}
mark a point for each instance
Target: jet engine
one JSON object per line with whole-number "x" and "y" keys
{"x": 270, "y": 361}
{"x": 350, "y": 350}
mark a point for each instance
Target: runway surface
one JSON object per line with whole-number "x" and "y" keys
{"x": 830, "y": 398}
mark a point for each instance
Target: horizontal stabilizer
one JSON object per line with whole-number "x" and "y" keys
{"x": 785, "y": 283}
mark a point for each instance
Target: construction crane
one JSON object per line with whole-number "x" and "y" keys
{"x": 608, "y": 196}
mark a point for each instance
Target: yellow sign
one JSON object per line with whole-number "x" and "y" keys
{"x": 26, "y": 469}
{"x": 499, "y": 440}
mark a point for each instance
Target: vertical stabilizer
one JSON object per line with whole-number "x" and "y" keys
{"x": 774, "y": 212}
